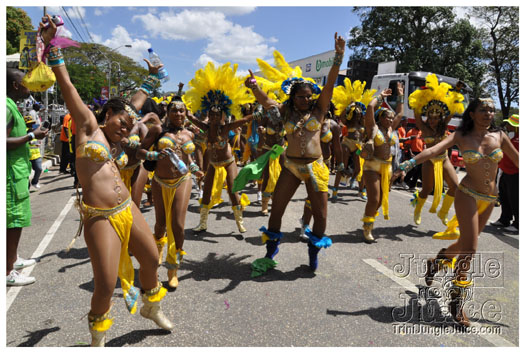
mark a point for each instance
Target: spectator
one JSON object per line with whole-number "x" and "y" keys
{"x": 416, "y": 145}
{"x": 66, "y": 152}
{"x": 402, "y": 151}
{"x": 34, "y": 113}
{"x": 73, "y": 133}
{"x": 509, "y": 183}
{"x": 34, "y": 153}
{"x": 18, "y": 204}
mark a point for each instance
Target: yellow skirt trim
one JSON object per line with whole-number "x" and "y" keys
{"x": 438, "y": 183}
{"x": 169, "y": 189}
{"x": 274, "y": 172}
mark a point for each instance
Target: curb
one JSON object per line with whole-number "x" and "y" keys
{"x": 48, "y": 161}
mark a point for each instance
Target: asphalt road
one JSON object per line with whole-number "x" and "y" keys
{"x": 362, "y": 295}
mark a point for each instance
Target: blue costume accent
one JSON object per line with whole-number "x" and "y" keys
{"x": 314, "y": 246}
{"x": 272, "y": 243}
{"x": 131, "y": 298}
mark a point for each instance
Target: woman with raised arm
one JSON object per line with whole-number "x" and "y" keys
{"x": 219, "y": 94}
{"x": 377, "y": 169}
{"x": 438, "y": 105}
{"x": 330, "y": 142}
{"x": 482, "y": 146}
{"x": 302, "y": 118}
{"x": 112, "y": 223}
{"x": 172, "y": 182}
{"x": 350, "y": 101}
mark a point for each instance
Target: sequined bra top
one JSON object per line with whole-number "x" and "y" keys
{"x": 99, "y": 153}
{"x": 326, "y": 136}
{"x": 312, "y": 124}
{"x": 379, "y": 139}
{"x": 432, "y": 139}
{"x": 471, "y": 156}
{"x": 167, "y": 142}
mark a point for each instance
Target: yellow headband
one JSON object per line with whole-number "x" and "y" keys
{"x": 132, "y": 114}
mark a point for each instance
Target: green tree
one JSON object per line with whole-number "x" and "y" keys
{"x": 17, "y": 22}
{"x": 88, "y": 67}
{"x": 501, "y": 43}
{"x": 420, "y": 39}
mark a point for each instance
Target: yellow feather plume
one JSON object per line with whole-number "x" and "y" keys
{"x": 349, "y": 92}
{"x": 436, "y": 91}
{"x": 281, "y": 72}
{"x": 224, "y": 79}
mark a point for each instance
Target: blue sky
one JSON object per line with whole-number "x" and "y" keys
{"x": 186, "y": 38}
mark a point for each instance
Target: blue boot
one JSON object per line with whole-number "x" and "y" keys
{"x": 272, "y": 248}
{"x": 312, "y": 254}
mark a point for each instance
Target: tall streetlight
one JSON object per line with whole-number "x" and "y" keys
{"x": 111, "y": 64}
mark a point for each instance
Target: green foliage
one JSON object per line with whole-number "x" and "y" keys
{"x": 17, "y": 22}
{"x": 501, "y": 48}
{"x": 88, "y": 67}
{"x": 420, "y": 39}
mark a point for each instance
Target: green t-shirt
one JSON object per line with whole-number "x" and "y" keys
{"x": 18, "y": 164}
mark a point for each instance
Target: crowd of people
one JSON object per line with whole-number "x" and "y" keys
{"x": 283, "y": 130}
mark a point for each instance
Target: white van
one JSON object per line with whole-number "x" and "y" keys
{"x": 412, "y": 81}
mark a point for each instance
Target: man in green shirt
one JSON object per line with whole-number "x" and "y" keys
{"x": 18, "y": 206}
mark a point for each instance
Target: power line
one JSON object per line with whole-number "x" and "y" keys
{"x": 83, "y": 23}
{"x": 72, "y": 24}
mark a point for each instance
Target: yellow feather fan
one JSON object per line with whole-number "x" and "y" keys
{"x": 420, "y": 99}
{"x": 217, "y": 86}
{"x": 349, "y": 93}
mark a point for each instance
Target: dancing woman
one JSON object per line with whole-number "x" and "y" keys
{"x": 330, "y": 142}
{"x": 303, "y": 160}
{"x": 377, "y": 170}
{"x": 112, "y": 223}
{"x": 219, "y": 99}
{"x": 482, "y": 146}
{"x": 438, "y": 105}
{"x": 172, "y": 183}
{"x": 350, "y": 101}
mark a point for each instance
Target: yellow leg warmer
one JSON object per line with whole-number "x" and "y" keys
{"x": 203, "y": 224}
{"x": 237, "y": 212}
{"x": 417, "y": 210}
{"x": 443, "y": 212}
{"x": 98, "y": 325}
{"x": 151, "y": 309}
{"x": 368, "y": 225}
{"x": 452, "y": 232}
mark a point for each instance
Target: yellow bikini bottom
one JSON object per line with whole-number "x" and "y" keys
{"x": 316, "y": 171}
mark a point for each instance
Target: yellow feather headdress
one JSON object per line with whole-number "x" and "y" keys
{"x": 284, "y": 73}
{"x": 436, "y": 95}
{"x": 349, "y": 93}
{"x": 217, "y": 87}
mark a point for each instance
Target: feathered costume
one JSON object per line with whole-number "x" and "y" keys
{"x": 436, "y": 96}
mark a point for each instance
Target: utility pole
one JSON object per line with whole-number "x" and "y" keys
{"x": 46, "y": 103}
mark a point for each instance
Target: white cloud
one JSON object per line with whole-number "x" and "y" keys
{"x": 203, "y": 60}
{"x": 119, "y": 38}
{"x": 185, "y": 25}
{"x": 240, "y": 44}
{"x": 232, "y": 10}
{"x": 227, "y": 41}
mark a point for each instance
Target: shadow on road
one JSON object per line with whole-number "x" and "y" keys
{"x": 430, "y": 313}
{"x": 33, "y": 338}
{"x": 232, "y": 268}
{"x": 389, "y": 233}
{"x": 135, "y": 337}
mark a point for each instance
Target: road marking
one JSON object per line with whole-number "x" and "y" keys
{"x": 496, "y": 340}
{"x": 13, "y": 291}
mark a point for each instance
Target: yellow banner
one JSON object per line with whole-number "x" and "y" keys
{"x": 28, "y": 57}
